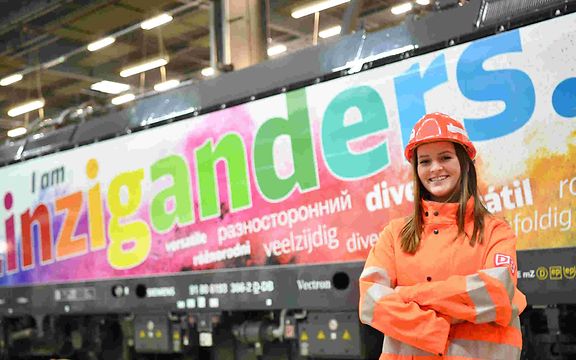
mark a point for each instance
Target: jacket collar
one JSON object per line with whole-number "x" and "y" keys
{"x": 447, "y": 213}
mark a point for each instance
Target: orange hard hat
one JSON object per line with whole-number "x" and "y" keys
{"x": 438, "y": 127}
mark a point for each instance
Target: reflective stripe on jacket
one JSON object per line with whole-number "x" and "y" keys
{"x": 449, "y": 300}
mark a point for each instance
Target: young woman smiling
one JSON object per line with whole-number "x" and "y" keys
{"x": 442, "y": 282}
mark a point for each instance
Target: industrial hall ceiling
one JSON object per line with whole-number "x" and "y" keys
{"x": 45, "y": 42}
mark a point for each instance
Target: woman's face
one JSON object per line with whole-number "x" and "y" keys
{"x": 439, "y": 169}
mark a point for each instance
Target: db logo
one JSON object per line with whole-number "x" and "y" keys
{"x": 504, "y": 260}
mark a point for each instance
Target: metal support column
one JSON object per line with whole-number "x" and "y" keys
{"x": 216, "y": 36}
{"x": 244, "y": 33}
{"x": 350, "y": 18}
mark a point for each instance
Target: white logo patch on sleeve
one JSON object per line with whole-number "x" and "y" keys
{"x": 504, "y": 260}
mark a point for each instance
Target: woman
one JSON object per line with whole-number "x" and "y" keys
{"x": 442, "y": 282}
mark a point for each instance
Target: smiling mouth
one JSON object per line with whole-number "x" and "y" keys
{"x": 438, "y": 178}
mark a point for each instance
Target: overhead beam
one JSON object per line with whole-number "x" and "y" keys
{"x": 74, "y": 72}
{"x": 10, "y": 124}
{"x": 285, "y": 24}
{"x": 27, "y": 13}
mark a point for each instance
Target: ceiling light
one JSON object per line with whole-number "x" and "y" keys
{"x": 10, "y": 79}
{"x": 163, "y": 86}
{"x": 16, "y": 132}
{"x": 277, "y": 49}
{"x": 123, "y": 99}
{"x": 102, "y": 43}
{"x": 423, "y": 2}
{"x": 27, "y": 107}
{"x": 207, "y": 72}
{"x": 57, "y": 61}
{"x": 401, "y": 9}
{"x": 109, "y": 87}
{"x": 326, "y": 33}
{"x": 149, "y": 65}
{"x": 316, "y": 7}
{"x": 156, "y": 21}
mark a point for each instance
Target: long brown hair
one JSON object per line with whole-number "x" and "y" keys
{"x": 412, "y": 231}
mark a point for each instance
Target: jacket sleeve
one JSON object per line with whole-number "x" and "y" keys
{"x": 490, "y": 295}
{"x": 383, "y": 309}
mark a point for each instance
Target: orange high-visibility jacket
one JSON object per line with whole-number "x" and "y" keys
{"x": 449, "y": 300}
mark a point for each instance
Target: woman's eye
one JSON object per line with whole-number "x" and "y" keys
{"x": 423, "y": 162}
{"x": 447, "y": 158}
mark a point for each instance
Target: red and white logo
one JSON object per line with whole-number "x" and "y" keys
{"x": 501, "y": 259}
{"x": 504, "y": 260}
